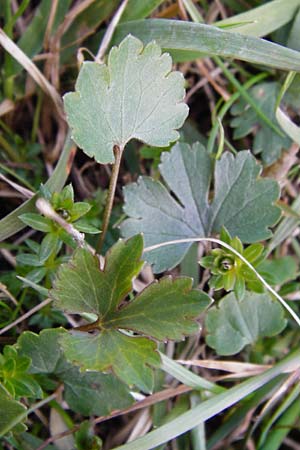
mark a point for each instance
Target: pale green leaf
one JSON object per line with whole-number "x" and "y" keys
{"x": 134, "y": 96}
{"x": 280, "y": 270}
{"x": 242, "y": 202}
{"x": 233, "y": 324}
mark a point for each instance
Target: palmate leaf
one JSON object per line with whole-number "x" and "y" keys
{"x": 242, "y": 202}
{"x": 233, "y": 324}
{"x": 134, "y": 96}
{"x": 87, "y": 393}
{"x": 167, "y": 309}
{"x": 266, "y": 141}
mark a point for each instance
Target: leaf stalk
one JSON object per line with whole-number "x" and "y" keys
{"x": 110, "y": 196}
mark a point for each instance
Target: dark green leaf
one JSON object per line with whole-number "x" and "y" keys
{"x": 167, "y": 309}
{"x": 87, "y": 393}
{"x": 164, "y": 310}
{"x": 81, "y": 287}
{"x": 130, "y": 357}
{"x": 43, "y": 349}
{"x": 94, "y": 393}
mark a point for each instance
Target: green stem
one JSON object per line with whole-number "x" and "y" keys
{"x": 110, "y": 197}
{"x": 8, "y": 149}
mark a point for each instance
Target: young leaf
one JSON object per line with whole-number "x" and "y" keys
{"x": 134, "y": 96}
{"x": 164, "y": 310}
{"x": 242, "y": 202}
{"x": 266, "y": 141}
{"x": 233, "y": 324}
{"x": 10, "y": 411}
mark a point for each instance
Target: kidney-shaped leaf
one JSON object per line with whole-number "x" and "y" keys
{"x": 242, "y": 202}
{"x": 233, "y": 324}
{"x": 167, "y": 309}
{"x": 134, "y": 96}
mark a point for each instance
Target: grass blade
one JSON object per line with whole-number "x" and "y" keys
{"x": 264, "y": 19}
{"x": 210, "y": 408}
{"x": 187, "y": 41}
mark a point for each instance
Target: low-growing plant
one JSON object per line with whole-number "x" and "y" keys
{"x": 101, "y": 325}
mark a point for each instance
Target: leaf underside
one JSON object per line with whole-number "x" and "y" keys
{"x": 134, "y": 96}
{"x": 242, "y": 202}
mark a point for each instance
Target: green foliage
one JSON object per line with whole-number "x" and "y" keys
{"x": 240, "y": 196}
{"x": 229, "y": 271}
{"x": 118, "y": 331}
{"x": 72, "y": 212}
{"x": 118, "y": 102}
{"x": 233, "y": 324}
{"x": 266, "y": 141}
{"x": 85, "y": 438}
{"x": 164, "y": 310}
{"x": 10, "y": 412}
{"x": 15, "y": 377}
{"x": 278, "y": 271}
{"x": 86, "y": 393}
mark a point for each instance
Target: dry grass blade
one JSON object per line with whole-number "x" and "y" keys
{"x": 226, "y": 366}
{"x": 6, "y": 106}
{"x": 25, "y": 192}
{"x": 26, "y": 315}
{"x": 31, "y": 68}
{"x": 110, "y": 31}
{"x": 148, "y": 401}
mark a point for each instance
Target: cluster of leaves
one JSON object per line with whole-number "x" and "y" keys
{"x": 164, "y": 310}
{"x": 114, "y": 348}
{"x": 229, "y": 271}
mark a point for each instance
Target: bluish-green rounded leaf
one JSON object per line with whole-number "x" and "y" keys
{"x": 135, "y": 96}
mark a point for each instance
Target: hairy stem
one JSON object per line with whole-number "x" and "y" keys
{"x": 110, "y": 197}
